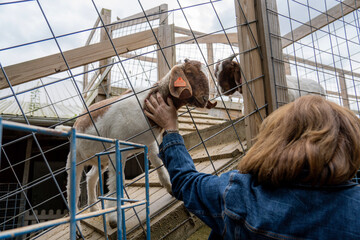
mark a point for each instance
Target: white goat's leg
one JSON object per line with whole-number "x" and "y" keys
{"x": 79, "y": 170}
{"x": 111, "y": 183}
{"x": 92, "y": 179}
{"x": 162, "y": 172}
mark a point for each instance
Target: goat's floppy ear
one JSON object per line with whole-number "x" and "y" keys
{"x": 179, "y": 85}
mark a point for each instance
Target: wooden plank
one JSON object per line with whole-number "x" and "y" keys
{"x": 139, "y": 57}
{"x": 191, "y": 127}
{"x": 105, "y": 91}
{"x": 320, "y": 65}
{"x": 350, "y": 97}
{"x": 186, "y": 31}
{"x": 138, "y": 18}
{"x": 42, "y": 67}
{"x": 166, "y": 36}
{"x": 213, "y": 38}
{"x": 251, "y": 65}
{"x": 343, "y": 91}
{"x": 333, "y": 14}
{"x": 274, "y": 71}
{"x": 86, "y": 67}
{"x": 200, "y": 121}
{"x": 92, "y": 31}
{"x": 25, "y": 180}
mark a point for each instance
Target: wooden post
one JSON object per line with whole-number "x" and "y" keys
{"x": 260, "y": 71}
{"x": 287, "y": 65}
{"x": 25, "y": 181}
{"x": 105, "y": 87}
{"x": 250, "y": 63}
{"x": 210, "y": 62}
{"x": 166, "y": 37}
{"x": 271, "y": 48}
{"x": 343, "y": 90}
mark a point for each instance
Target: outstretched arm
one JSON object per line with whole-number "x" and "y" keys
{"x": 202, "y": 193}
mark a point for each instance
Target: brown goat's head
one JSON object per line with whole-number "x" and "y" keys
{"x": 228, "y": 76}
{"x": 189, "y": 84}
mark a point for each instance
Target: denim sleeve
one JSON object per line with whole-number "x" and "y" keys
{"x": 201, "y": 193}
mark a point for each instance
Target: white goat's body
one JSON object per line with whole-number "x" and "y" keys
{"x": 307, "y": 86}
{"x": 122, "y": 120}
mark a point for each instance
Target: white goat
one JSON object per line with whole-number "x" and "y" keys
{"x": 122, "y": 118}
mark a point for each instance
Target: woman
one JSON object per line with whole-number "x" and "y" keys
{"x": 294, "y": 183}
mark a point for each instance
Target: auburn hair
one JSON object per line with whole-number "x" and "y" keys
{"x": 310, "y": 140}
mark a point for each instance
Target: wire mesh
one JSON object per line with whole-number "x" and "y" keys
{"x": 73, "y": 74}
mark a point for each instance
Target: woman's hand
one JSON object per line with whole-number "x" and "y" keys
{"x": 162, "y": 113}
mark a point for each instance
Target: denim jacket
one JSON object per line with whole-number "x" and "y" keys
{"x": 235, "y": 207}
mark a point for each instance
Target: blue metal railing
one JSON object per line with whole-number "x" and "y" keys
{"x": 73, "y": 218}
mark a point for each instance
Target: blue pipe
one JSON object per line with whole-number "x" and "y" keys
{"x": 147, "y": 193}
{"x": 118, "y": 172}
{"x": 73, "y": 184}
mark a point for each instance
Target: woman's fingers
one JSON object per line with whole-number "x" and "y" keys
{"x": 149, "y": 115}
{"x": 153, "y": 101}
{"x": 150, "y": 105}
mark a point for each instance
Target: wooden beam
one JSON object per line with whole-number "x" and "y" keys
{"x": 139, "y": 57}
{"x": 251, "y": 65}
{"x": 213, "y": 38}
{"x": 104, "y": 92}
{"x": 186, "y": 31}
{"x": 343, "y": 90}
{"x": 166, "y": 36}
{"x": 320, "y": 65}
{"x": 320, "y": 21}
{"x": 274, "y": 71}
{"x": 86, "y": 67}
{"x": 210, "y": 62}
{"x": 45, "y": 66}
{"x": 139, "y": 18}
{"x": 92, "y": 31}
{"x": 25, "y": 181}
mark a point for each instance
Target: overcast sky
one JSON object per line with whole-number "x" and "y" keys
{"x": 23, "y": 22}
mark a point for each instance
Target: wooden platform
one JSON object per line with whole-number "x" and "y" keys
{"x": 167, "y": 212}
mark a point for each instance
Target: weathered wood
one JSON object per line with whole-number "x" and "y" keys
{"x": 151, "y": 14}
{"x": 91, "y": 35}
{"x": 343, "y": 91}
{"x": 24, "y": 182}
{"x": 210, "y": 63}
{"x": 251, "y": 65}
{"x": 105, "y": 89}
{"x": 321, "y": 66}
{"x": 92, "y": 89}
{"x": 272, "y": 62}
{"x": 166, "y": 49}
{"x": 140, "y": 57}
{"x": 186, "y": 31}
{"x": 333, "y": 14}
{"x": 213, "y": 38}
{"x": 45, "y": 66}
